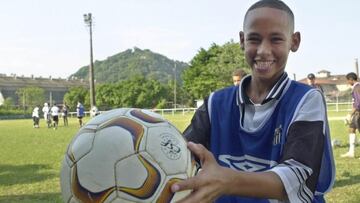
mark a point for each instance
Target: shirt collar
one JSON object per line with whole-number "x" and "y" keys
{"x": 275, "y": 92}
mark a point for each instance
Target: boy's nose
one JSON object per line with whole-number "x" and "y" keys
{"x": 264, "y": 48}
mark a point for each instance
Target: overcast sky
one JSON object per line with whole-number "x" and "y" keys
{"x": 44, "y": 37}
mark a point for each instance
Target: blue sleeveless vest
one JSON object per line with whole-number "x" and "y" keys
{"x": 261, "y": 150}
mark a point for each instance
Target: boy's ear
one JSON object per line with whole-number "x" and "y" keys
{"x": 295, "y": 41}
{"x": 242, "y": 40}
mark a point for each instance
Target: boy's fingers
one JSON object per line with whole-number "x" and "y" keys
{"x": 188, "y": 184}
{"x": 200, "y": 151}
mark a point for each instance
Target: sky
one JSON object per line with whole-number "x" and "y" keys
{"x": 49, "y": 38}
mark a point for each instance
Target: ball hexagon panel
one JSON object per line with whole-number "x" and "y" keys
{"x": 110, "y": 145}
{"x": 152, "y": 178}
{"x": 168, "y": 147}
{"x": 81, "y": 145}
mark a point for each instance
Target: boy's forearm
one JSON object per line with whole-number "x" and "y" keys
{"x": 255, "y": 184}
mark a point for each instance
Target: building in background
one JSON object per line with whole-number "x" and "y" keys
{"x": 335, "y": 86}
{"x": 55, "y": 88}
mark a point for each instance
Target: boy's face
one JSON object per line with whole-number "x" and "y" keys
{"x": 236, "y": 79}
{"x": 351, "y": 82}
{"x": 266, "y": 40}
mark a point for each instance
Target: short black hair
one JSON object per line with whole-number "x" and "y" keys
{"x": 311, "y": 76}
{"x": 277, "y": 4}
{"x": 351, "y": 76}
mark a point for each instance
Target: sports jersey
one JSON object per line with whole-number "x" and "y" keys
{"x": 54, "y": 111}
{"x": 35, "y": 112}
{"x": 275, "y": 135}
{"x": 80, "y": 110}
{"x": 355, "y": 93}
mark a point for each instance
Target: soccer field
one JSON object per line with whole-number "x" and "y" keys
{"x": 30, "y": 160}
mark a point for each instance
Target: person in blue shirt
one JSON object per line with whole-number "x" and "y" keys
{"x": 80, "y": 113}
{"x": 267, "y": 139}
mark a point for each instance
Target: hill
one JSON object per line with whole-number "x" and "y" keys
{"x": 133, "y": 62}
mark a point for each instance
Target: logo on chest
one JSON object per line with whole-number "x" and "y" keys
{"x": 246, "y": 162}
{"x": 277, "y": 135}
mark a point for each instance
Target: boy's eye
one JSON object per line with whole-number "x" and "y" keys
{"x": 276, "y": 39}
{"x": 253, "y": 39}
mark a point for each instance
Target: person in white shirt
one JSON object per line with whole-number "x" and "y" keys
{"x": 55, "y": 115}
{"x": 94, "y": 111}
{"x": 46, "y": 112}
{"x": 35, "y": 117}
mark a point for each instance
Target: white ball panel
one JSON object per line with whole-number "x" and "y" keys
{"x": 82, "y": 145}
{"x": 153, "y": 166}
{"x": 130, "y": 172}
{"x": 111, "y": 197}
{"x": 74, "y": 200}
{"x": 65, "y": 180}
{"x": 167, "y": 146}
{"x": 97, "y": 169}
{"x": 120, "y": 200}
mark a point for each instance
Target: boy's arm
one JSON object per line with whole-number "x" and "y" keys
{"x": 199, "y": 129}
{"x": 300, "y": 163}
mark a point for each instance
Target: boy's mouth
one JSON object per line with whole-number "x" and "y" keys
{"x": 263, "y": 66}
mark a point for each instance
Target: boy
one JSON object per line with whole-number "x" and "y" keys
{"x": 355, "y": 114}
{"x": 237, "y": 75}
{"x": 55, "y": 115}
{"x": 80, "y": 112}
{"x": 311, "y": 81}
{"x": 269, "y": 136}
{"x": 35, "y": 116}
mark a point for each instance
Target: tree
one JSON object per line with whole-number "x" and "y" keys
{"x": 137, "y": 92}
{"x": 30, "y": 96}
{"x": 77, "y": 94}
{"x": 211, "y": 69}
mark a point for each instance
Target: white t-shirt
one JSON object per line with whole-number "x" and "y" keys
{"x": 35, "y": 112}
{"x": 55, "y": 111}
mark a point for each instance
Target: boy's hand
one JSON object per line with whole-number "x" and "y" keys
{"x": 209, "y": 183}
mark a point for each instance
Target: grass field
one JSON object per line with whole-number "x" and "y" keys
{"x": 30, "y": 160}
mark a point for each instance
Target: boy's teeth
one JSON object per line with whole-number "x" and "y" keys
{"x": 264, "y": 63}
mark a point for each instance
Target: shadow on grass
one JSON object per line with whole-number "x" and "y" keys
{"x": 349, "y": 180}
{"x": 39, "y": 197}
{"x": 22, "y": 174}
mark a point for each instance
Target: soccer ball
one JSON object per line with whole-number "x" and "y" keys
{"x": 126, "y": 155}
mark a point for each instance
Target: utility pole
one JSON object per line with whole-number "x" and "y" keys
{"x": 357, "y": 67}
{"x": 88, "y": 22}
{"x": 175, "y": 85}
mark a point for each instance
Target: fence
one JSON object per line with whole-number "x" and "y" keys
{"x": 339, "y": 106}
{"x": 331, "y": 106}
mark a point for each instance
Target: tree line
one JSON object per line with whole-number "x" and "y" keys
{"x": 208, "y": 71}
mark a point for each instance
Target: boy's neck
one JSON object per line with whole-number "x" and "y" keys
{"x": 258, "y": 90}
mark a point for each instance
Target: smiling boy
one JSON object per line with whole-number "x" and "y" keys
{"x": 266, "y": 140}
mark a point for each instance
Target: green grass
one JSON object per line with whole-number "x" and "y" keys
{"x": 30, "y": 160}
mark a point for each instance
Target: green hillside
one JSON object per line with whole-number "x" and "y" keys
{"x": 133, "y": 62}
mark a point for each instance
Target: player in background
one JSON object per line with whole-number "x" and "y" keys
{"x": 355, "y": 113}
{"x": 55, "y": 115}
{"x": 35, "y": 116}
{"x": 80, "y": 112}
{"x": 94, "y": 111}
{"x": 47, "y": 115}
{"x": 311, "y": 79}
{"x": 266, "y": 140}
{"x": 65, "y": 112}
{"x": 237, "y": 75}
